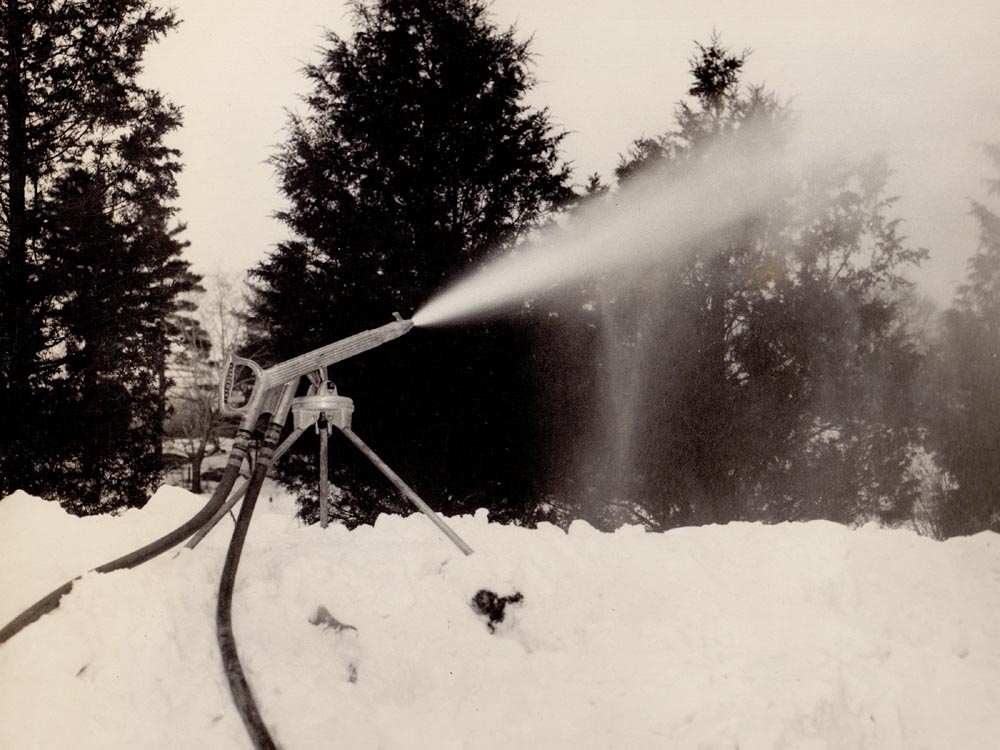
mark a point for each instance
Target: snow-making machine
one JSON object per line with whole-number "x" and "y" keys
{"x": 252, "y": 393}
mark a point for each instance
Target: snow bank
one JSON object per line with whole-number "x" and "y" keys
{"x": 804, "y": 636}
{"x": 43, "y": 546}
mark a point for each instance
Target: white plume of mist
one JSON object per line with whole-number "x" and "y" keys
{"x": 647, "y": 221}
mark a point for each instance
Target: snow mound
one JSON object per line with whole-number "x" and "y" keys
{"x": 805, "y": 636}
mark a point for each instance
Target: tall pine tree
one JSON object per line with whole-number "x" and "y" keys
{"x": 415, "y": 159}
{"x": 90, "y": 254}
{"x": 966, "y": 397}
{"x": 763, "y": 376}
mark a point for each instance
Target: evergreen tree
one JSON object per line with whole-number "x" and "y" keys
{"x": 416, "y": 159}
{"x": 764, "y": 376}
{"x": 967, "y": 392}
{"x": 91, "y": 266}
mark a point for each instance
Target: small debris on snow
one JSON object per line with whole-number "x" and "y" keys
{"x": 325, "y": 620}
{"x": 493, "y": 606}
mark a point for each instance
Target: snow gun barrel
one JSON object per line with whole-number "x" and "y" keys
{"x": 246, "y": 384}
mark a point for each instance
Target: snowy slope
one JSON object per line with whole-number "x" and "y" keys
{"x": 806, "y": 636}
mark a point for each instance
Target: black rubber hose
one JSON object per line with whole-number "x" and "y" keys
{"x": 238, "y": 685}
{"x": 51, "y": 600}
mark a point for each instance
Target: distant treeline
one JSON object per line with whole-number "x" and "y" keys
{"x": 780, "y": 368}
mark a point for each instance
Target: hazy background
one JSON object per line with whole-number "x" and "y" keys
{"x": 918, "y": 77}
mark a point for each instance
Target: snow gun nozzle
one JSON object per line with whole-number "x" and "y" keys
{"x": 246, "y": 384}
{"x": 405, "y": 323}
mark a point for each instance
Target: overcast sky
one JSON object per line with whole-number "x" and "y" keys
{"x": 920, "y": 77}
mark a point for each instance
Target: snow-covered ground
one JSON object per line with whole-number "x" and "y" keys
{"x": 805, "y": 636}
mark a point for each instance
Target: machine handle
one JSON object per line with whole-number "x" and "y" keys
{"x": 242, "y": 379}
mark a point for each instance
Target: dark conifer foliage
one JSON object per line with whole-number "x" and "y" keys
{"x": 965, "y": 398}
{"x": 90, "y": 254}
{"x": 766, "y": 375}
{"x": 416, "y": 157}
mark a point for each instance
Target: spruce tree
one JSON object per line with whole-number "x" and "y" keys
{"x": 763, "y": 376}
{"x": 91, "y": 265}
{"x": 415, "y": 159}
{"x": 966, "y": 396}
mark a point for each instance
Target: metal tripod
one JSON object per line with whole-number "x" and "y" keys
{"x": 323, "y": 409}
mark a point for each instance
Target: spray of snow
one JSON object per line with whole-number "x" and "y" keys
{"x": 789, "y": 636}
{"x": 647, "y": 222}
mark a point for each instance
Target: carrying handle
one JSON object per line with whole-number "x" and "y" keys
{"x": 239, "y": 386}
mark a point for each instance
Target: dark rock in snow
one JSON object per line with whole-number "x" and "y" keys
{"x": 493, "y": 606}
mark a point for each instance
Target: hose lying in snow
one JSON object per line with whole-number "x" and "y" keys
{"x": 51, "y": 600}
{"x": 238, "y": 685}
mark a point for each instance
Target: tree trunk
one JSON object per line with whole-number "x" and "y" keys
{"x": 162, "y": 386}
{"x": 196, "y": 460}
{"x": 14, "y": 382}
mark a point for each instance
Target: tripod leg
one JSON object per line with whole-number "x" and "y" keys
{"x": 403, "y": 487}
{"x": 324, "y": 474}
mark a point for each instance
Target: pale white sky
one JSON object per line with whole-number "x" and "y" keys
{"x": 920, "y": 77}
